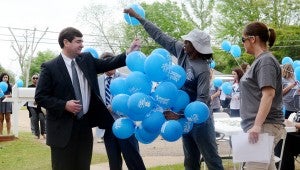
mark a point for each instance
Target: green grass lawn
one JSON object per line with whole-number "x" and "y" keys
{"x": 27, "y": 153}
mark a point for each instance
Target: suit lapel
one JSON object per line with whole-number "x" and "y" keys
{"x": 64, "y": 72}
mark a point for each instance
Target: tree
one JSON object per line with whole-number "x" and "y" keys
{"x": 100, "y": 21}
{"x": 283, "y": 16}
{"x": 287, "y": 43}
{"x": 167, "y": 16}
{"x": 282, "y": 12}
{"x": 25, "y": 49}
{"x": 199, "y": 12}
{"x": 37, "y": 61}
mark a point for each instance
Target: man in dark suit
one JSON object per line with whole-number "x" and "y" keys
{"x": 68, "y": 90}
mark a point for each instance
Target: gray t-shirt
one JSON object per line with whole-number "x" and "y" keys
{"x": 265, "y": 71}
{"x": 288, "y": 98}
{"x": 197, "y": 70}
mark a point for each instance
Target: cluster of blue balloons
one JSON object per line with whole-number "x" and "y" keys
{"x": 152, "y": 87}
{"x": 131, "y": 20}
{"x": 295, "y": 64}
{"x": 234, "y": 50}
{"x": 226, "y": 87}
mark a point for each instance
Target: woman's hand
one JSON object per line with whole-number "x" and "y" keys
{"x": 253, "y": 134}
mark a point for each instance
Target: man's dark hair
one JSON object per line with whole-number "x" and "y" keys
{"x": 69, "y": 34}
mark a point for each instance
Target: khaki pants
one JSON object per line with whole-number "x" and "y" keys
{"x": 278, "y": 132}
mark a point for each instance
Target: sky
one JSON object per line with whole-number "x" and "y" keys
{"x": 39, "y": 14}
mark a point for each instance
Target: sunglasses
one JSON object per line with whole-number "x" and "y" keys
{"x": 35, "y": 78}
{"x": 246, "y": 38}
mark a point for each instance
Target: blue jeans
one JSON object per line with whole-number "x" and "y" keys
{"x": 201, "y": 140}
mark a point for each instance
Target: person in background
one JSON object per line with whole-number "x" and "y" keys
{"x": 5, "y": 107}
{"x": 68, "y": 89}
{"x": 194, "y": 54}
{"x": 289, "y": 86}
{"x": 225, "y": 102}
{"x": 116, "y": 147}
{"x": 235, "y": 94}
{"x": 291, "y": 146}
{"x": 37, "y": 117}
{"x": 245, "y": 66}
{"x": 214, "y": 93}
{"x": 261, "y": 90}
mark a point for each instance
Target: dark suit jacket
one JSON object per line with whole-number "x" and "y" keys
{"x": 55, "y": 88}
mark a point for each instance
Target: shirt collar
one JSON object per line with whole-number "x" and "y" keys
{"x": 66, "y": 59}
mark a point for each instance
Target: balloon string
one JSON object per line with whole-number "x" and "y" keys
{"x": 134, "y": 29}
{"x": 238, "y": 63}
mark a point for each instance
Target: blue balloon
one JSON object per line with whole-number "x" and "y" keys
{"x": 156, "y": 67}
{"x": 131, "y": 20}
{"x": 297, "y": 73}
{"x": 296, "y": 64}
{"x": 92, "y": 51}
{"x": 143, "y": 136}
{"x": 19, "y": 83}
{"x": 135, "y": 61}
{"x": 212, "y": 64}
{"x": 139, "y": 104}
{"x": 235, "y": 51}
{"x": 226, "y": 87}
{"x": 3, "y": 86}
{"x": 1, "y": 93}
{"x": 196, "y": 112}
{"x": 283, "y": 110}
{"x": 217, "y": 82}
{"x": 153, "y": 121}
{"x": 119, "y": 104}
{"x": 171, "y": 130}
{"x": 118, "y": 86}
{"x": 163, "y": 52}
{"x": 123, "y": 128}
{"x": 226, "y": 45}
{"x": 176, "y": 75}
{"x": 181, "y": 101}
{"x": 138, "y": 82}
{"x": 287, "y": 60}
{"x": 165, "y": 94}
{"x": 187, "y": 126}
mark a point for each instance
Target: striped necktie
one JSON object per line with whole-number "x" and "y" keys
{"x": 107, "y": 91}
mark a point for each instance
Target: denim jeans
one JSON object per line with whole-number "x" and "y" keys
{"x": 201, "y": 140}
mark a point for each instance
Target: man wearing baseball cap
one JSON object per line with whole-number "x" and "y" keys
{"x": 194, "y": 54}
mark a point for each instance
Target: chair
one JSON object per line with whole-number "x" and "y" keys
{"x": 221, "y": 136}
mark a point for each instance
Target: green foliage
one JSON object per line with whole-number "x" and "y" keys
{"x": 287, "y": 43}
{"x": 37, "y": 61}
{"x": 165, "y": 15}
{"x": 199, "y": 12}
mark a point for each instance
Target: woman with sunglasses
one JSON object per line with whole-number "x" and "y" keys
{"x": 37, "y": 117}
{"x": 261, "y": 87}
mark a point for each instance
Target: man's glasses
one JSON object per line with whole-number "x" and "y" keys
{"x": 246, "y": 38}
{"x": 35, "y": 78}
